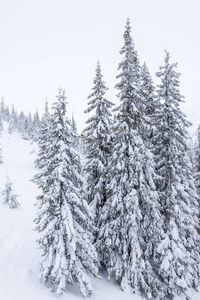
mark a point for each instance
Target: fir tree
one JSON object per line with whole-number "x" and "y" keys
{"x": 21, "y": 124}
{"x": 2, "y": 110}
{"x": 1, "y": 125}
{"x": 6, "y": 113}
{"x": 9, "y": 197}
{"x": 150, "y": 104}
{"x": 130, "y": 223}
{"x": 178, "y": 253}
{"x": 97, "y": 140}
{"x": 2, "y": 106}
{"x": 44, "y": 139}
{"x": 12, "y": 121}
{"x": 30, "y": 126}
{"x": 75, "y": 135}
{"x": 36, "y": 126}
{"x": 197, "y": 162}
{"x": 74, "y": 127}
{"x": 63, "y": 217}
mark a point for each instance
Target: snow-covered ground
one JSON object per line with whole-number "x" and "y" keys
{"x": 19, "y": 254}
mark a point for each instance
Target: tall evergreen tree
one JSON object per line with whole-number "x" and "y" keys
{"x": 63, "y": 216}
{"x": 75, "y": 134}
{"x": 1, "y": 125}
{"x": 74, "y": 127}
{"x": 36, "y": 126}
{"x": 130, "y": 223}
{"x": 2, "y": 109}
{"x": 197, "y": 162}
{"x": 97, "y": 140}
{"x": 12, "y": 121}
{"x": 150, "y": 105}
{"x": 43, "y": 139}
{"x": 29, "y": 126}
{"x": 21, "y": 123}
{"x": 179, "y": 252}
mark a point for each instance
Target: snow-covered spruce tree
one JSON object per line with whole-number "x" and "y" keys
{"x": 63, "y": 216}
{"x": 1, "y": 125}
{"x": 179, "y": 252}
{"x": 2, "y": 108}
{"x": 12, "y": 126}
{"x": 75, "y": 134}
{"x": 4, "y": 111}
{"x": 74, "y": 127}
{"x": 97, "y": 141}
{"x": 36, "y": 125}
{"x": 150, "y": 105}
{"x": 43, "y": 140}
{"x": 130, "y": 222}
{"x": 197, "y": 162}
{"x": 29, "y": 128}
{"x": 9, "y": 197}
{"x": 21, "y": 123}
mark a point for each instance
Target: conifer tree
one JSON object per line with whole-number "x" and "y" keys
{"x": 179, "y": 252}
{"x": 197, "y": 162}
{"x": 130, "y": 223}
{"x": 63, "y": 216}
{"x": 150, "y": 105}
{"x": 29, "y": 126}
{"x": 2, "y": 107}
{"x": 36, "y": 125}
{"x": 9, "y": 197}
{"x": 12, "y": 121}
{"x": 21, "y": 124}
{"x": 1, "y": 125}
{"x": 6, "y": 113}
{"x": 75, "y": 134}
{"x": 2, "y": 110}
{"x": 74, "y": 127}
{"x": 43, "y": 139}
{"x": 97, "y": 141}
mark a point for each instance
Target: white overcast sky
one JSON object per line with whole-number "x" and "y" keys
{"x": 47, "y": 43}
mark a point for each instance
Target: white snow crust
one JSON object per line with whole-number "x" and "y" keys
{"x": 19, "y": 254}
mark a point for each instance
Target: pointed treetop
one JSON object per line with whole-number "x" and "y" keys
{"x": 46, "y": 106}
{"x": 98, "y": 69}
{"x": 74, "y": 123}
{"x": 127, "y": 33}
{"x": 167, "y": 56}
{"x": 128, "y": 26}
{"x": 61, "y": 91}
{"x": 144, "y": 65}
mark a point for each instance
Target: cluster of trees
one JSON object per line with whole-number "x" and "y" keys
{"x": 127, "y": 203}
{"x": 134, "y": 191}
{"x": 26, "y": 126}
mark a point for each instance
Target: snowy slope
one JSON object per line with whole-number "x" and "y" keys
{"x": 19, "y": 254}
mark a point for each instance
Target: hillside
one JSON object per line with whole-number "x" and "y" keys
{"x": 19, "y": 254}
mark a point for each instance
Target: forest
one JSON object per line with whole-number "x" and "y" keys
{"x": 120, "y": 198}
